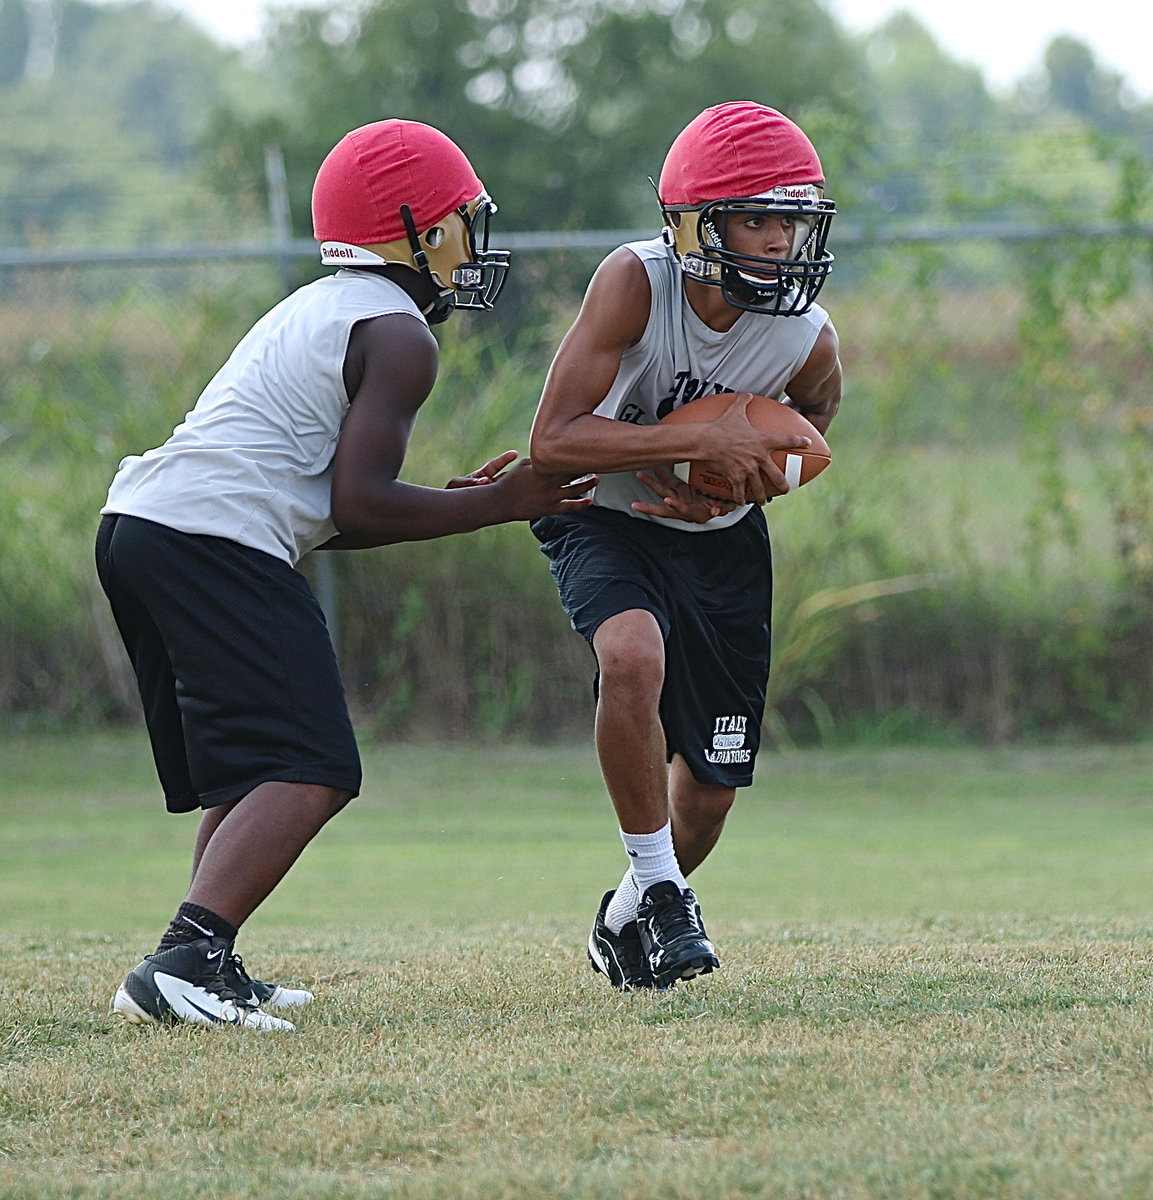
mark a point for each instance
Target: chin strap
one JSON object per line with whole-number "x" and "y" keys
{"x": 441, "y": 306}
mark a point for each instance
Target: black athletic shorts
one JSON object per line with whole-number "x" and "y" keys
{"x": 236, "y": 670}
{"x": 710, "y": 593}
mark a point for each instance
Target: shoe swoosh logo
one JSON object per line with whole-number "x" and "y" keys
{"x": 215, "y": 954}
{"x": 189, "y": 1002}
{"x": 228, "y": 1016}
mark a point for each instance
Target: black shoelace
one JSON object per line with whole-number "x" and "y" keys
{"x": 676, "y": 918}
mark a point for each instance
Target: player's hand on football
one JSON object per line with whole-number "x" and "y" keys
{"x": 677, "y": 499}
{"x": 741, "y": 453}
{"x": 524, "y": 493}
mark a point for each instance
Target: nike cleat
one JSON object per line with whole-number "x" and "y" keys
{"x": 257, "y": 992}
{"x": 673, "y": 934}
{"x": 620, "y": 957}
{"x": 185, "y": 984}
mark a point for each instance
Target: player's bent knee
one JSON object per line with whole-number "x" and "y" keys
{"x": 630, "y": 653}
{"x": 632, "y": 670}
{"x": 333, "y": 800}
{"x": 316, "y": 801}
{"x": 705, "y": 804}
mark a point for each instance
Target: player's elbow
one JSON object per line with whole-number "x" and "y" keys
{"x": 359, "y": 516}
{"x": 347, "y": 505}
{"x": 546, "y": 453}
{"x": 351, "y": 526}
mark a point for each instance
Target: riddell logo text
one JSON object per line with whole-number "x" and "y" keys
{"x": 340, "y": 252}
{"x": 804, "y": 192}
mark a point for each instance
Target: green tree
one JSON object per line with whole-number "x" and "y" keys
{"x": 641, "y": 74}
{"x": 938, "y": 132}
{"x": 102, "y": 113}
{"x": 13, "y": 42}
{"x": 566, "y": 106}
{"x": 1076, "y": 84}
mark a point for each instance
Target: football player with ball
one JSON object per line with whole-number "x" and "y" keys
{"x": 669, "y": 580}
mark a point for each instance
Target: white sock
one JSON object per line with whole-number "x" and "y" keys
{"x": 622, "y": 907}
{"x": 653, "y": 858}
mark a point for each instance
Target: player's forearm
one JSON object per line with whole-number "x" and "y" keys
{"x": 403, "y": 512}
{"x": 599, "y": 445}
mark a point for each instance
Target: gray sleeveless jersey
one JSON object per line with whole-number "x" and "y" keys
{"x": 680, "y": 358}
{"x": 252, "y": 461}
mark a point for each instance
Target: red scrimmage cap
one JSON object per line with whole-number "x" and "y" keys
{"x": 375, "y": 169}
{"x": 734, "y": 151}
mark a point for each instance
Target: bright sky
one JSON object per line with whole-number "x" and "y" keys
{"x": 1005, "y": 38}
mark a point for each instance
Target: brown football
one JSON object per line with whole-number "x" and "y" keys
{"x": 766, "y": 414}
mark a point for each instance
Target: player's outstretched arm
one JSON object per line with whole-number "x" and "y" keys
{"x": 390, "y": 369}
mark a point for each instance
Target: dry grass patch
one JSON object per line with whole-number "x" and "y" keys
{"x": 936, "y": 986}
{"x": 864, "y": 1061}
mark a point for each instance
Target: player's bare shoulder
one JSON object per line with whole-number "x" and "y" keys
{"x": 618, "y": 300}
{"x": 827, "y": 347}
{"x": 390, "y": 350}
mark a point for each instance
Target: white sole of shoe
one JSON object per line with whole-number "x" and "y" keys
{"x": 596, "y": 957}
{"x": 124, "y": 1006}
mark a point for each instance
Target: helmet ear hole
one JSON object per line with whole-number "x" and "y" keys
{"x": 434, "y": 237}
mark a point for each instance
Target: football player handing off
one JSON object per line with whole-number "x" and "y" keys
{"x": 295, "y": 445}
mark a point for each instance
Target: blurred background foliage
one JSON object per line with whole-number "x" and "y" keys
{"x": 979, "y": 564}
{"x": 123, "y": 122}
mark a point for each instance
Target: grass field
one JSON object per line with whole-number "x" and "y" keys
{"x": 937, "y": 982}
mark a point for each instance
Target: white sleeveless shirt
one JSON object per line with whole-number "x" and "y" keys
{"x": 679, "y": 358}
{"x": 252, "y": 461}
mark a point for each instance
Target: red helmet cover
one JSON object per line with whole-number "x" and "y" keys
{"x": 736, "y": 150}
{"x": 375, "y": 169}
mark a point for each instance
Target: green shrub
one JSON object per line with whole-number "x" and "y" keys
{"x": 977, "y": 563}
